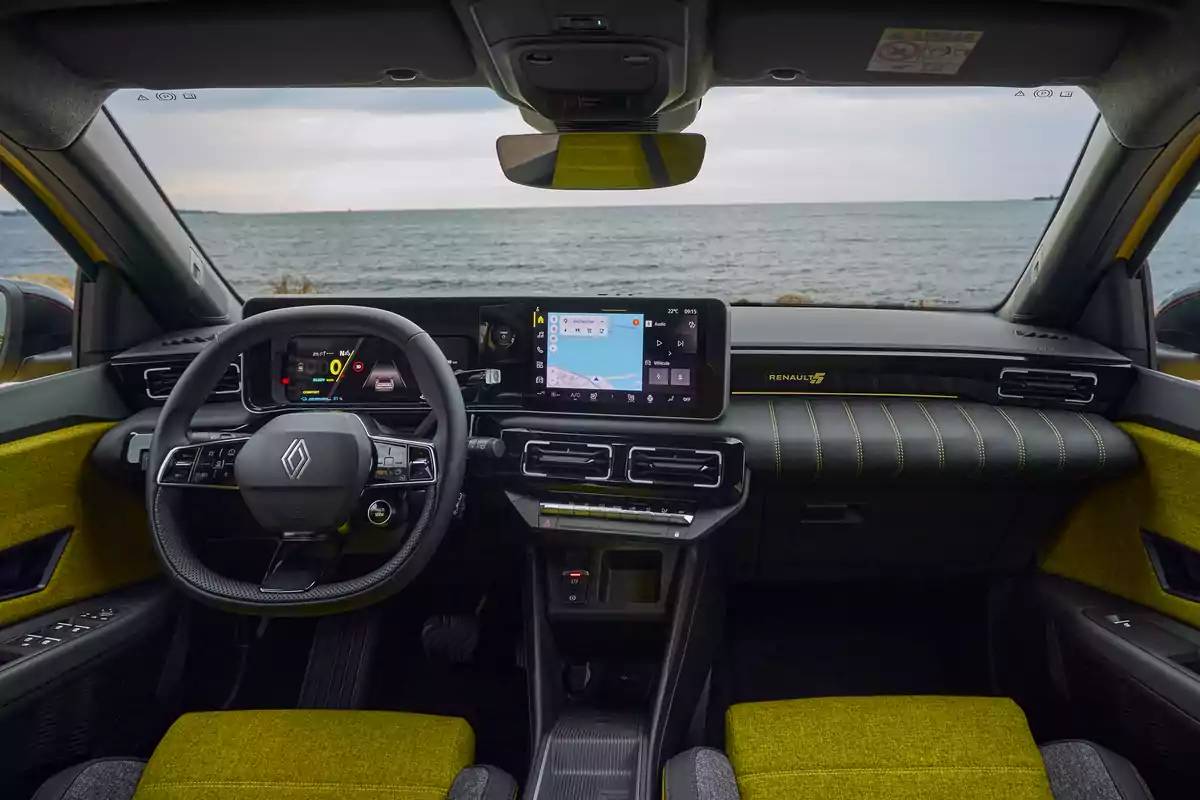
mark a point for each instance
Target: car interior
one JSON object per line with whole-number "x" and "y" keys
{"x": 386, "y": 546}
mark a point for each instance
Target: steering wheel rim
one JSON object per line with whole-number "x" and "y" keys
{"x": 438, "y": 386}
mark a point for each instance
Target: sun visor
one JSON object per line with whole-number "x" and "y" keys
{"x": 1017, "y": 46}
{"x": 157, "y": 47}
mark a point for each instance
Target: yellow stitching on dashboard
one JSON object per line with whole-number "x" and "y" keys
{"x": 899, "y": 440}
{"x": 858, "y": 447}
{"x": 937, "y": 435}
{"x": 775, "y": 431}
{"x": 1062, "y": 447}
{"x": 1099, "y": 439}
{"x": 816, "y": 434}
{"x": 978, "y": 437}
{"x": 1020, "y": 438}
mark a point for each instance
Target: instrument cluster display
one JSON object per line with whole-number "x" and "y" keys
{"x": 355, "y": 370}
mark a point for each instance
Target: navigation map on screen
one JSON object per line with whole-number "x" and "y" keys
{"x": 595, "y": 351}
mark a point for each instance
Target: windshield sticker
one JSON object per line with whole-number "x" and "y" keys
{"x": 924, "y": 51}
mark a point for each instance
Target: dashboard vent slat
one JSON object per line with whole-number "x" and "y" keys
{"x": 673, "y": 466}
{"x": 567, "y": 460}
{"x": 1047, "y": 385}
{"x": 161, "y": 380}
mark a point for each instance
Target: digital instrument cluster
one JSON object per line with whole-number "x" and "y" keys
{"x": 355, "y": 370}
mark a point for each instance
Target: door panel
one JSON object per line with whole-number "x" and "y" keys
{"x": 1124, "y": 632}
{"x": 46, "y": 487}
{"x": 1102, "y": 544}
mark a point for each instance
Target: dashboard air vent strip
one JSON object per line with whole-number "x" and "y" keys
{"x": 1048, "y": 385}
{"x": 672, "y": 466}
{"x": 567, "y": 460}
{"x": 161, "y": 380}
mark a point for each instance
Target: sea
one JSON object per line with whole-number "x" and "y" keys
{"x": 965, "y": 254}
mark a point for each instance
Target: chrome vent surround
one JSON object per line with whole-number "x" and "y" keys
{"x": 1047, "y": 385}
{"x": 674, "y": 466}
{"x": 565, "y": 460}
{"x": 159, "y": 381}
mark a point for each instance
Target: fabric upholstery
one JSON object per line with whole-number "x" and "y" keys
{"x": 891, "y": 748}
{"x": 483, "y": 783}
{"x": 1101, "y": 544}
{"x": 1077, "y": 770}
{"x": 699, "y": 774}
{"x": 46, "y": 486}
{"x": 102, "y": 779}
{"x": 1085, "y": 771}
{"x": 308, "y": 755}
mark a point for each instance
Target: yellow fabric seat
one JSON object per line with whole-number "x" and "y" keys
{"x": 890, "y": 748}
{"x": 315, "y": 755}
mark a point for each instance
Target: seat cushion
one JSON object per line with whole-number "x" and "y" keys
{"x": 1081, "y": 770}
{"x": 889, "y": 748}
{"x": 315, "y": 755}
{"x": 101, "y": 779}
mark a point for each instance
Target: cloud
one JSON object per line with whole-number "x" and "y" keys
{"x": 328, "y": 149}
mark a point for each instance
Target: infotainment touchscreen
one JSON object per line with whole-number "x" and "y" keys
{"x": 644, "y": 357}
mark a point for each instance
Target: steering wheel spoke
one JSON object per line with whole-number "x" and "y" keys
{"x": 403, "y": 462}
{"x": 205, "y": 465}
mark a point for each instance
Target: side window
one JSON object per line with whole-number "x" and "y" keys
{"x": 37, "y": 291}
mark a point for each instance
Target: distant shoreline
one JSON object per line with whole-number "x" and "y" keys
{"x": 210, "y": 212}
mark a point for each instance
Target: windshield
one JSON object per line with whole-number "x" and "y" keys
{"x": 857, "y": 196}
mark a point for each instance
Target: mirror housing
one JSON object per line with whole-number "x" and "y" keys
{"x": 1177, "y": 321}
{"x": 37, "y": 324}
{"x": 601, "y": 161}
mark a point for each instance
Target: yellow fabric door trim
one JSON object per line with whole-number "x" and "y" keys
{"x": 308, "y": 755}
{"x": 1101, "y": 544}
{"x": 885, "y": 748}
{"x": 46, "y": 485}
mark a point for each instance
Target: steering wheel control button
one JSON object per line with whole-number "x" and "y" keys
{"x": 380, "y": 513}
{"x": 203, "y": 464}
{"x": 391, "y": 463}
{"x": 399, "y": 463}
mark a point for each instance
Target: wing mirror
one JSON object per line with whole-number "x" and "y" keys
{"x": 601, "y": 160}
{"x": 1177, "y": 321}
{"x": 36, "y": 323}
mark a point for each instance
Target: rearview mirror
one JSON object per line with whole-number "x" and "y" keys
{"x": 601, "y": 160}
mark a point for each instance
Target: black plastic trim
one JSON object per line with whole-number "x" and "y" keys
{"x": 144, "y": 608}
{"x": 58, "y": 401}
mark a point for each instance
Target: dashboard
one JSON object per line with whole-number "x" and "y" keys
{"x": 610, "y": 356}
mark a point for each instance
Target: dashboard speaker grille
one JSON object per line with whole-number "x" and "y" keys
{"x": 672, "y": 466}
{"x": 1047, "y": 385}
{"x": 567, "y": 460}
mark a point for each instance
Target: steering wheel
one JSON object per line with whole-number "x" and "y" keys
{"x": 303, "y": 473}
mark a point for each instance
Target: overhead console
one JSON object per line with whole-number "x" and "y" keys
{"x": 612, "y": 61}
{"x": 643, "y": 357}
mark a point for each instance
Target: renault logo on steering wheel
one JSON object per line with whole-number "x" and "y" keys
{"x": 296, "y": 459}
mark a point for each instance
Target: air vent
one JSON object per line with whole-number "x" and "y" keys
{"x": 670, "y": 466}
{"x": 1047, "y": 385}
{"x": 567, "y": 460}
{"x": 161, "y": 380}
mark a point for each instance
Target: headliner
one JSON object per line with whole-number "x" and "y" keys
{"x": 60, "y": 59}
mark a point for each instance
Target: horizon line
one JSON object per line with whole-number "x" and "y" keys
{"x": 1034, "y": 199}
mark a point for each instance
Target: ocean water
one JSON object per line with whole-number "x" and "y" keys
{"x": 965, "y": 254}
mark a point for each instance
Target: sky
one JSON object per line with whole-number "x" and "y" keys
{"x": 282, "y": 150}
